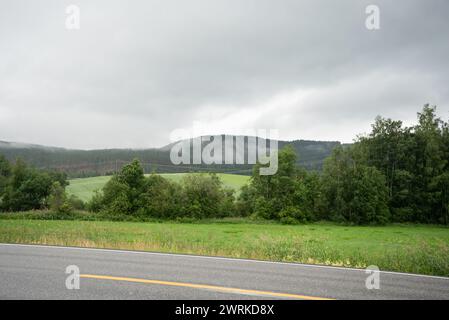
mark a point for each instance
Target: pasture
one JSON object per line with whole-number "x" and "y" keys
{"x": 84, "y": 188}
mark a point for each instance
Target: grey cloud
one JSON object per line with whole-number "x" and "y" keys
{"x": 136, "y": 71}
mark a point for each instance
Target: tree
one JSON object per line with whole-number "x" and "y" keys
{"x": 245, "y": 201}
{"x": 414, "y": 161}
{"x": 27, "y": 188}
{"x": 308, "y": 194}
{"x": 385, "y": 148}
{"x": 278, "y": 189}
{"x": 354, "y": 192}
{"x": 5, "y": 173}
{"x": 58, "y": 201}
{"x": 132, "y": 175}
{"x": 440, "y": 186}
{"x": 121, "y": 193}
{"x": 430, "y": 163}
{"x": 161, "y": 198}
{"x": 117, "y": 197}
{"x": 204, "y": 196}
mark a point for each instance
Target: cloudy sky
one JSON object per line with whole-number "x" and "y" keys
{"x": 135, "y": 71}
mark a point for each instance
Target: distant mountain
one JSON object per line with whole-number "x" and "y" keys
{"x": 83, "y": 163}
{"x": 18, "y": 145}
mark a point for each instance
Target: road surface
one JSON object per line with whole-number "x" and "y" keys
{"x": 39, "y": 272}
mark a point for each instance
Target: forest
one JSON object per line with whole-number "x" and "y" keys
{"x": 395, "y": 173}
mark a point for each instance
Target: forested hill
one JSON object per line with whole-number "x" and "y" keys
{"x": 82, "y": 163}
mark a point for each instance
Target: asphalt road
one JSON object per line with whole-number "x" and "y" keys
{"x": 38, "y": 272}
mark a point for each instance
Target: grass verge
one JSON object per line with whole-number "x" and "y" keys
{"x": 403, "y": 248}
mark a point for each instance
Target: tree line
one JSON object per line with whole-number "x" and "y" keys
{"x": 88, "y": 163}
{"x": 131, "y": 193}
{"x": 24, "y": 188}
{"x": 396, "y": 173}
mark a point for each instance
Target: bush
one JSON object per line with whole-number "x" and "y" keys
{"x": 58, "y": 201}
{"x": 205, "y": 197}
{"x": 193, "y": 210}
{"x": 160, "y": 198}
{"x": 26, "y": 189}
{"x": 354, "y": 192}
{"x": 5, "y": 173}
{"x": 289, "y": 220}
{"x": 263, "y": 208}
{"x": 76, "y": 203}
{"x": 292, "y": 213}
{"x": 245, "y": 202}
{"x": 227, "y": 204}
{"x": 96, "y": 202}
{"x": 131, "y": 193}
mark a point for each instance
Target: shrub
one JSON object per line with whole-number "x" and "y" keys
{"x": 58, "y": 199}
{"x": 119, "y": 205}
{"x": 354, "y": 192}
{"x": 292, "y": 213}
{"x": 96, "y": 202}
{"x": 245, "y": 202}
{"x": 263, "y": 208}
{"x": 227, "y": 204}
{"x": 160, "y": 198}
{"x": 76, "y": 203}
{"x": 205, "y": 197}
{"x": 289, "y": 220}
{"x": 27, "y": 189}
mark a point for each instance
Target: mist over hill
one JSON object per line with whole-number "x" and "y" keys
{"x": 84, "y": 163}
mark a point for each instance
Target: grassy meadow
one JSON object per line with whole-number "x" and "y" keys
{"x": 411, "y": 248}
{"x": 84, "y": 188}
{"x": 404, "y": 248}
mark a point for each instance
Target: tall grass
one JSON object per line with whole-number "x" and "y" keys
{"x": 404, "y": 248}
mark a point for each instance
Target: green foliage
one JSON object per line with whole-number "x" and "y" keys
{"x": 132, "y": 175}
{"x": 161, "y": 198}
{"x": 90, "y": 163}
{"x": 25, "y": 188}
{"x": 205, "y": 196}
{"x": 354, "y": 192}
{"x": 292, "y": 215}
{"x": 227, "y": 206}
{"x": 131, "y": 193}
{"x": 76, "y": 203}
{"x": 415, "y": 163}
{"x": 121, "y": 194}
{"x": 308, "y": 194}
{"x": 245, "y": 204}
{"x": 395, "y": 173}
{"x": 263, "y": 209}
{"x": 277, "y": 191}
{"x": 5, "y": 173}
{"x": 291, "y": 195}
{"x": 84, "y": 188}
{"x": 58, "y": 201}
{"x": 95, "y": 204}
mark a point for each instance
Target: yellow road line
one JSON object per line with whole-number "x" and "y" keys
{"x": 204, "y": 286}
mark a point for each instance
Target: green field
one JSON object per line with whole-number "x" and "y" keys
{"x": 405, "y": 248}
{"x": 84, "y": 188}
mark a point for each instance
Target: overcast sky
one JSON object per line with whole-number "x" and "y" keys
{"x": 137, "y": 70}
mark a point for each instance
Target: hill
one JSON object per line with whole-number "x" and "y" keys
{"x": 86, "y": 163}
